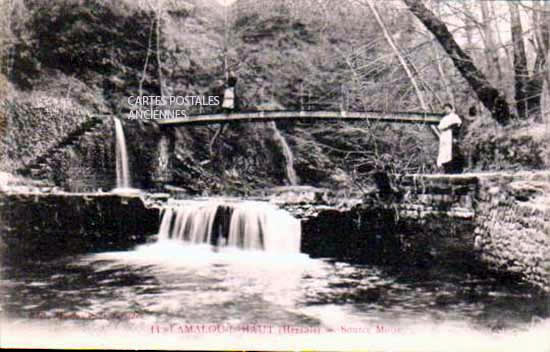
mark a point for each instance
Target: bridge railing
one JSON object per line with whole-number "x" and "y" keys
{"x": 306, "y": 116}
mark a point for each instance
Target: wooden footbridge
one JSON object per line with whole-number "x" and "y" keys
{"x": 430, "y": 119}
{"x": 304, "y": 116}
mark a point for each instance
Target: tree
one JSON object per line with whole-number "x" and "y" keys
{"x": 541, "y": 42}
{"x": 402, "y": 61}
{"x": 491, "y": 50}
{"x": 157, "y": 8}
{"x": 6, "y": 42}
{"x": 521, "y": 74}
{"x": 489, "y": 96}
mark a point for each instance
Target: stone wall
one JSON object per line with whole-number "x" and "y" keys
{"x": 50, "y": 225}
{"x": 510, "y": 214}
{"x": 378, "y": 234}
{"x": 495, "y": 220}
{"x": 359, "y": 235}
{"x": 490, "y": 223}
{"x": 438, "y": 195}
{"x": 513, "y": 225}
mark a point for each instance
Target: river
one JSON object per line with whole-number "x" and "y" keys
{"x": 171, "y": 294}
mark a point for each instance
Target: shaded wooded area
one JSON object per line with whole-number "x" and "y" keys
{"x": 490, "y": 59}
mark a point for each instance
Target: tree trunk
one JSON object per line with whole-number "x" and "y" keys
{"x": 491, "y": 98}
{"x": 535, "y": 85}
{"x": 521, "y": 74}
{"x": 159, "y": 61}
{"x": 469, "y": 24}
{"x": 545, "y": 30}
{"x": 500, "y": 42}
{"x": 491, "y": 50}
{"x": 439, "y": 59}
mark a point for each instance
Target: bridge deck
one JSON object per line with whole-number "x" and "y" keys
{"x": 261, "y": 116}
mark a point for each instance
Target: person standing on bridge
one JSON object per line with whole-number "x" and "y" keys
{"x": 229, "y": 95}
{"x": 449, "y": 156}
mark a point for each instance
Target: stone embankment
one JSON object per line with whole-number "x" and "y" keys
{"x": 35, "y": 224}
{"x": 513, "y": 225}
{"x": 510, "y": 214}
{"x": 34, "y": 167}
{"x": 437, "y": 195}
{"x": 498, "y": 221}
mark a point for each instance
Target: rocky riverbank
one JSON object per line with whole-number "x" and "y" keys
{"x": 494, "y": 221}
{"x": 513, "y": 225}
{"x": 46, "y": 225}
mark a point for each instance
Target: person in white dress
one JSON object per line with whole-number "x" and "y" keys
{"x": 230, "y": 96}
{"x": 449, "y": 151}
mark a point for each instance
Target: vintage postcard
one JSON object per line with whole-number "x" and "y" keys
{"x": 275, "y": 175}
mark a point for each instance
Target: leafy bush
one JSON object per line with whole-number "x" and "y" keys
{"x": 520, "y": 146}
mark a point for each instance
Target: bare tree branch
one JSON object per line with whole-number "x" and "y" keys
{"x": 491, "y": 97}
{"x": 392, "y": 44}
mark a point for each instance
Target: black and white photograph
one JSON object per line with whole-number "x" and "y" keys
{"x": 275, "y": 175}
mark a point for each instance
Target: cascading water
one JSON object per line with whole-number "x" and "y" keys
{"x": 289, "y": 157}
{"x": 245, "y": 225}
{"x": 163, "y": 159}
{"x": 122, "y": 169}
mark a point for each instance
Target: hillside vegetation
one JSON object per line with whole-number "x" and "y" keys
{"x": 69, "y": 59}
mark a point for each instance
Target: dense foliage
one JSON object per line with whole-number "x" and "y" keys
{"x": 76, "y": 57}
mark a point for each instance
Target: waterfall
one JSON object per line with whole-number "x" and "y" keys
{"x": 245, "y": 225}
{"x": 163, "y": 159}
{"x": 122, "y": 169}
{"x": 289, "y": 157}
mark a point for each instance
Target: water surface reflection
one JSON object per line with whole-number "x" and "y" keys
{"x": 169, "y": 283}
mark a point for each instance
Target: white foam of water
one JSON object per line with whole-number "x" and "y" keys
{"x": 126, "y": 191}
{"x": 122, "y": 168}
{"x": 252, "y": 225}
{"x": 289, "y": 157}
{"x": 277, "y": 277}
{"x": 260, "y": 225}
{"x": 163, "y": 157}
{"x": 172, "y": 254}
